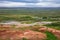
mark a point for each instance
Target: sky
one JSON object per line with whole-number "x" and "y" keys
{"x": 29, "y": 3}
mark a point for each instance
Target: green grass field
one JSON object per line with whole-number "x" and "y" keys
{"x": 27, "y": 16}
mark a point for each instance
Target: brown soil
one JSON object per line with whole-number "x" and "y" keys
{"x": 7, "y": 33}
{"x": 19, "y": 35}
{"x": 54, "y": 31}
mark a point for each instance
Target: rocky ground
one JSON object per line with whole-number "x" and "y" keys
{"x": 54, "y": 31}
{"x": 20, "y": 35}
{"x": 8, "y": 34}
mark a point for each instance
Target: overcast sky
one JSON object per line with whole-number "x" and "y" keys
{"x": 29, "y": 3}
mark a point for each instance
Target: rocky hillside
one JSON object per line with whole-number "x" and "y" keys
{"x": 32, "y": 33}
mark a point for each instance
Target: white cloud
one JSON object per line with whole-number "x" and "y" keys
{"x": 11, "y": 4}
{"x": 23, "y": 4}
{"x": 47, "y": 4}
{"x": 28, "y": 0}
{"x": 45, "y": 0}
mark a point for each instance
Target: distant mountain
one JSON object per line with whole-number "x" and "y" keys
{"x": 29, "y": 7}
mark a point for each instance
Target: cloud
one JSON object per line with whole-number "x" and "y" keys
{"x": 30, "y": 3}
{"x": 26, "y": 1}
{"x": 11, "y": 4}
{"x": 47, "y": 4}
